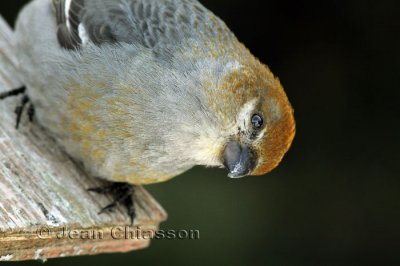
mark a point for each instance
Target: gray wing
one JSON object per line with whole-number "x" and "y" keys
{"x": 150, "y": 23}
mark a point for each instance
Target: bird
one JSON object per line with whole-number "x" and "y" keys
{"x": 141, "y": 91}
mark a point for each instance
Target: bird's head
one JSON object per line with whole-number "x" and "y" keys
{"x": 256, "y": 120}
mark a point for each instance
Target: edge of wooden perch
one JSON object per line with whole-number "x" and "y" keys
{"x": 43, "y": 193}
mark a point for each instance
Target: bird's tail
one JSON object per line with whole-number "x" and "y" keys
{"x": 8, "y": 60}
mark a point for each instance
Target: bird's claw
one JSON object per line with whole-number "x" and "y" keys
{"x": 20, "y": 108}
{"x": 122, "y": 193}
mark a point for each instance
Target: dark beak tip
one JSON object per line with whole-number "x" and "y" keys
{"x": 240, "y": 170}
{"x": 236, "y": 176}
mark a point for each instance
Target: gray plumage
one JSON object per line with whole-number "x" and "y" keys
{"x": 157, "y": 24}
{"x": 139, "y": 91}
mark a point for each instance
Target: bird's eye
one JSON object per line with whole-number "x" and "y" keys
{"x": 257, "y": 121}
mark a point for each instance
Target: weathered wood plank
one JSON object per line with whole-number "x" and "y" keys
{"x": 42, "y": 190}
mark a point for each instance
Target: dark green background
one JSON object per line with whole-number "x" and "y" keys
{"x": 335, "y": 199}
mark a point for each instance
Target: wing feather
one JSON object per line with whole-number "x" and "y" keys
{"x": 155, "y": 24}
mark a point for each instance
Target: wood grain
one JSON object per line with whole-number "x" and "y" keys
{"x": 44, "y": 193}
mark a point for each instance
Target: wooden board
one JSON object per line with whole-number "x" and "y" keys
{"x": 43, "y": 193}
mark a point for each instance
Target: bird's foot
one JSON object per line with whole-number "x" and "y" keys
{"x": 12, "y": 93}
{"x": 21, "y": 107}
{"x": 122, "y": 193}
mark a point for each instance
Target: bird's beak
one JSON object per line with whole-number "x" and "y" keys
{"x": 239, "y": 159}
